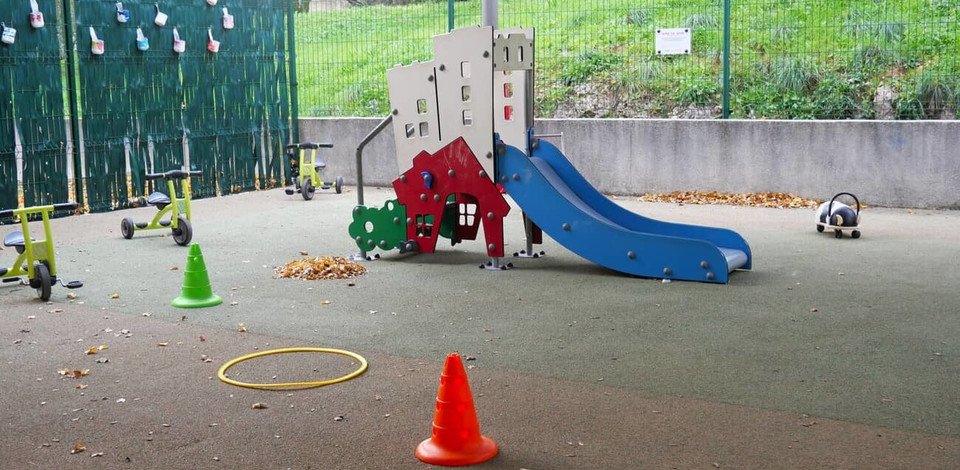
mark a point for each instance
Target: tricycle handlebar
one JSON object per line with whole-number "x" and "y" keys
{"x": 63, "y": 206}
{"x": 316, "y": 145}
{"x": 173, "y": 174}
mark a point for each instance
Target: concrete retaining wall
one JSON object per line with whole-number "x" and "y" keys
{"x": 886, "y": 163}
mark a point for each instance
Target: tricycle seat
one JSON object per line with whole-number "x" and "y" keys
{"x": 13, "y": 239}
{"x": 158, "y": 199}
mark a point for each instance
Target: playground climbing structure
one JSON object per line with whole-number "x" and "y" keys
{"x": 463, "y": 125}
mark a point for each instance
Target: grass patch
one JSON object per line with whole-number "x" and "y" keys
{"x": 791, "y": 58}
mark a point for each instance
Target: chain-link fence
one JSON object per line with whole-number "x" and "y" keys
{"x": 794, "y": 59}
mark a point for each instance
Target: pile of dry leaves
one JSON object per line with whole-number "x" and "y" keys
{"x": 777, "y": 200}
{"x": 321, "y": 267}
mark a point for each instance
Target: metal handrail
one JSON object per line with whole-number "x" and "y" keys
{"x": 363, "y": 143}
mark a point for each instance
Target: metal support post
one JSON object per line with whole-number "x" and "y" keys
{"x": 489, "y": 11}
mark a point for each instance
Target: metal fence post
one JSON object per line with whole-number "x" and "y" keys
{"x": 292, "y": 53}
{"x": 69, "y": 27}
{"x": 726, "y": 59}
{"x": 450, "y": 23}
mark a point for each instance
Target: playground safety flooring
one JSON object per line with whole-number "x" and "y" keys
{"x": 829, "y": 354}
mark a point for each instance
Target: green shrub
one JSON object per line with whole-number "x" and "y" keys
{"x": 836, "y": 98}
{"x": 702, "y": 21}
{"x": 697, "y": 91}
{"x": 586, "y": 65}
{"x": 795, "y": 74}
{"x": 639, "y": 16}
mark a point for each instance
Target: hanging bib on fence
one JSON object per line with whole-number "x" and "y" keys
{"x": 96, "y": 44}
{"x": 179, "y": 45}
{"x": 9, "y": 35}
{"x": 212, "y": 44}
{"x": 142, "y": 42}
{"x": 227, "y": 19}
{"x": 123, "y": 15}
{"x": 161, "y": 18}
{"x": 36, "y": 16}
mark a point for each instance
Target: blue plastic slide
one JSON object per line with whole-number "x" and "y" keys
{"x": 569, "y": 209}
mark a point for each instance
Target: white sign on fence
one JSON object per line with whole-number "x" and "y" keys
{"x": 673, "y": 41}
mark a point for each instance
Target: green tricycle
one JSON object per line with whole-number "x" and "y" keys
{"x": 35, "y": 258}
{"x": 305, "y": 170}
{"x": 177, "y": 207}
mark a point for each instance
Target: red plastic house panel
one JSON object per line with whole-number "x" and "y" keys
{"x": 454, "y": 170}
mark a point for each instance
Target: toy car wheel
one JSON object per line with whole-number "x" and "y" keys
{"x": 126, "y": 228}
{"x": 838, "y": 233}
{"x": 855, "y": 234}
{"x": 43, "y": 281}
{"x": 183, "y": 233}
{"x": 820, "y": 228}
{"x": 307, "y": 190}
{"x": 338, "y": 185}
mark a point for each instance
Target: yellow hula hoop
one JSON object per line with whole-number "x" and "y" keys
{"x": 221, "y": 374}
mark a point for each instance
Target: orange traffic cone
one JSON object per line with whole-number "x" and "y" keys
{"x": 456, "y": 438}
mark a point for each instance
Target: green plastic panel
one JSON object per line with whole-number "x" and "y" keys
{"x": 384, "y": 228}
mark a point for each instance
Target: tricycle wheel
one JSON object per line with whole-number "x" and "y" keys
{"x": 126, "y": 227}
{"x": 838, "y": 233}
{"x": 820, "y": 228}
{"x": 307, "y": 189}
{"x": 183, "y": 233}
{"x": 855, "y": 234}
{"x": 43, "y": 282}
{"x": 338, "y": 185}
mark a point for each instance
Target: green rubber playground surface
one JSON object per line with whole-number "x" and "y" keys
{"x": 831, "y": 353}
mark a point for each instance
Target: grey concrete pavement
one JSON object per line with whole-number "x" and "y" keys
{"x": 881, "y": 349}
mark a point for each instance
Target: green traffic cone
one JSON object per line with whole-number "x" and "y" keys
{"x": 196, "y": 291}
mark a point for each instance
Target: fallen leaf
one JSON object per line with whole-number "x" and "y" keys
{"x": 202, "y": 339}
{"x": 102, "y": 347}
{"x": 234, "y": 303}
{"x": 259, "y": 406}
{"x": 813, "y": 310}
{"x": 325, "y": 302}
{"x": 56, "y": 310}
{"x": 162, "y": 344}
{"x": 762, "y": 199}
{"x": 80, "y": 386}
{"x": 146, "y": 314}
{"x": 115, "y": 295}
{"x": 174, "y": 268}
{"x": 92, "y": 350}
{"x": 71, "y": 295}
{"x": 97, "y": 454}
{"x": 304, "y": 253}
{"x": 76, "y": 374}
{"x": 78, "y": 447}
{"x": 321, "y": 267}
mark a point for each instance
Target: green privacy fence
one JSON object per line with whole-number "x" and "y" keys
{"x": 793, "y": 59}
{"x": 136, "y": 109}
{"x": 33, "y": 131}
